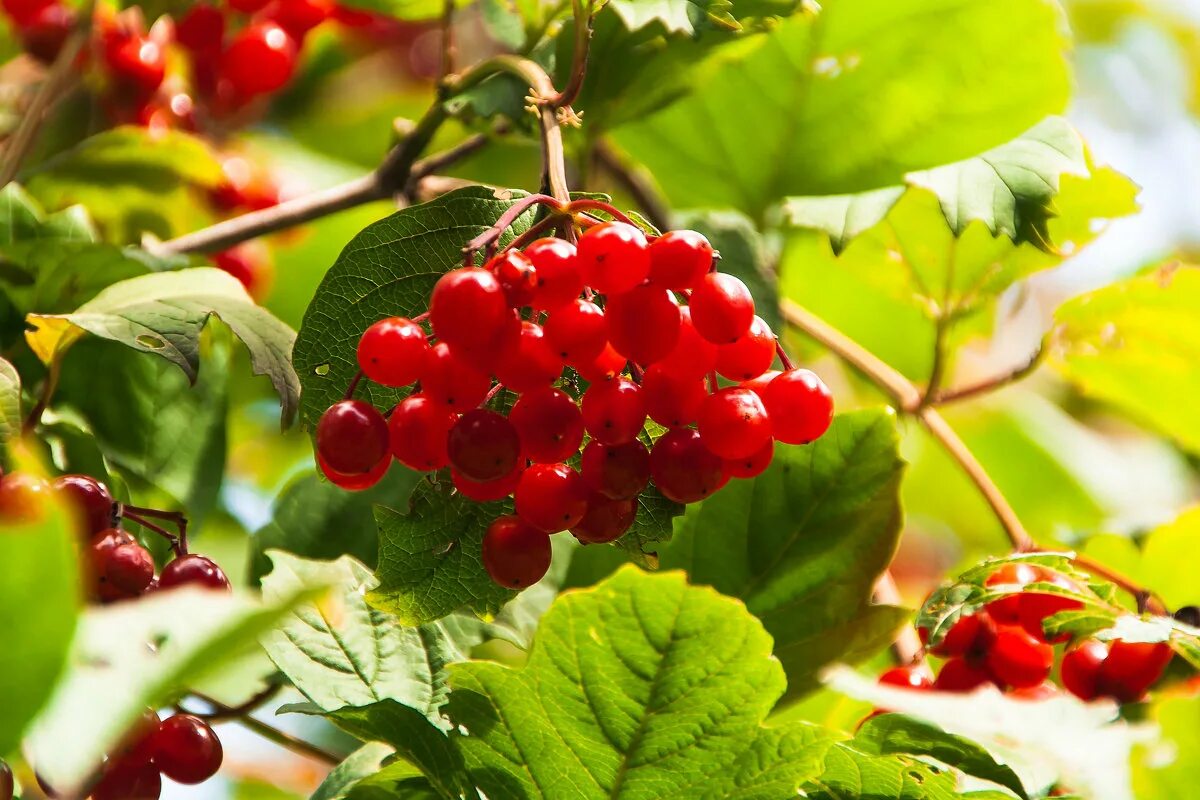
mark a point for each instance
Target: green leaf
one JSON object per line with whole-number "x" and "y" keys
{"x": 389, "y": 269}
{"x": 132, "y": 655}
{"x": 892, "y": 734}
{"x": 39, "y": 605}
{"x": 362, "y": 763}
{"x": 23, "y": 219}
{"x": 854, "y": 97}
{"x": 10, "y": 403}
{"x": 842, "y": 216}
{"x": 640, "y": 687}
{"x": 165, "y": 313}
{"x": 408, "y": 10}
{"x": 674, "y": 16}
{"x": 804, "y": 543}
{"x": 848, "y": 772}
{"x": 1144, "y": 326}
{"x": 339, "y": 652}
{"x": 130, "y": 182}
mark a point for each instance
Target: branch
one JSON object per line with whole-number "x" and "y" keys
{"x": 271, "y": 733}
{"x": 635, "y": 183}
{"x": 990, "y": 384}
{"x": 583, "y": 39}
{"x": 449, "y": 50}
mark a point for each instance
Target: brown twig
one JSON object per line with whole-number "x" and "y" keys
{"x": 579, "y": 60}
{"x": 176, "y": 518}
{"x": 271, "y": 733}
{"x": 53, "y": 372}
{"x": 229, "y": 712}
{"x": 638, "y": 187}
{"x": 449, "y": 51}
{"x": 176, "y": 545}
{"x": 988, "y": 385}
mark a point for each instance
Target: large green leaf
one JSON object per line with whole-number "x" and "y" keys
{"x": 804, "y": 543}
{"x": 339, "y": 652}
{"x": 39, "y": 604}
{"x": 164, "y": 313}
{"x": 10, "y": 402}
{"x": 1135, "y": 345}
{"x": 854, "y": 97}
{"x": 388, "y": 269}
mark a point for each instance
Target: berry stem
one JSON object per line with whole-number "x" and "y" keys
{"x": 784, "y": 359}
{"x": 488, "y": 238}
{"x": 271, "y": 733}
{"x": 48, "y": 386}
{"x": 582, "y": 10}
{"x": 589, "y": 204}
{"x": 229, "y": 712}
{"x": 163, "y": 532}
{"x": 421, "y": 317}
{"x": 495, "y": 390}
{"x": 349, "y": 395}
{"x": 175, "y": 517}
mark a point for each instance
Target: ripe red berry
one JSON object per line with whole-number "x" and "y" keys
{"x": 910, "y": 676}
{"x": 419, "y": 430}
{"x": 643, "y": 324}
{"x": 193, "y": 570}
{"x": 577, "y": 331}
{"x": 734, "y": 422}
{"x": 753, "y": 465}
{"x": 201, "y": 29}
{"x": 89, "y": 498}
{"x": 549, "y": 423}
{"x": 515, "y": 554}
{"x": 551, "y": 497}
{"x": 517, "y": 276}
{"x": 352, "y": 437}
{"x": 468, "y": 306}
{"x": 722, "y": 308}
{"x": 960, "y": 639}
{"x": 1017, "y": 659}
{"x": 614, "y": 412}
{"x": 1034, "y": 607}
{"x": 248, "y": 6}
{"x": 249, "y": 265}
{"x": 261, "y": 59}
{"x": 355, "y": 483}
{"x": 800, "y": 405}
{"x": 672, "y": 400}
{"x": 44, "y": 35}
{"x": 604, "y": 367}
{"x": 487, "y": 491}
{"x": 1131, "y": 668}
{"x": 680, "y": 259}
{"x": 1014, "y": 573}
{"x": 298, "y": 17}
{"x": 392, "y": 351}
{"x": 22, "y": 496}
{"x": 531, "y": 364}
{"x": 1080, "y": 670}
{"x": 606, "y": 520}
{"x": 760, "y": 383}
{"x": 683, "y": 469}
{"x": 128, "y": 569}
{"x": 959, "y": 675}
{"x": 451, "y": 380}
{"x": 186, "y": 749}
{"x": 22, "y": 12}
{"x": 559, "y": 280}
{"x": 483, "y": 445}
{"x": 693, "y": 356}
{"x": 750, "y": 356}
{"x": 619, "y": 472}
{"x": 128, "y": 779}
{"x": 613, "y": 257}
{"x": 137, "y": 63}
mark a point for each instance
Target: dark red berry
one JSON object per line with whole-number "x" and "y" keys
{"x": 1080, "y": 670}
{"x": 680, "y": 259}
{"x": 468, "y": 307}
{"x": 393, "y": 351}
{"x": 201, "y": 29}
{"x": 22, "y": 12}
{"x": 613, "y": 257}
{"x": 960, "y": 639}
{"x": 800, "y": 405}
{"x": 137, "y": 63}
{"x": 419, "y": 430}
{"x": 910, "y": 676}
{"x": 355, "y": 483}
{"x": 643, "y": 324}
{"x": 558, "y": 278}
{"x": 261, "y": 59}
{"x": 89, "y": 498}
{"x": 453, "y": 381}
{"x": 604, "y": 367}
{"x": 249, "y": 265}
{"x": 44, "y": 35}
{"x": 619, "y": 472}
{"x": 186, "y": 749}
{"x": 298, "y": 17}
{"x": 1007, "y": 609}
{"x": 1017, "y": 659}
{"x": 672, "y": 400}
{"x": 551, "y": 497}
{"x": 614, "y": 412}
{"x": 517, "y": 276}
{"x": 128, "y": 779}
{"x": 722, "y": 308}
{"x": 693, "y": 356}
{"x": 515, "y": 554}
{"x": 531, "y": 364}
{"x": 487, "y": 491}
{"x": 577, "y": 331}
{"x": 734, "y": 422}
{"x": 193, "y": 570}
{"x": 959, "y": 675}
{"x": 248, "y": 6}
{"x": 1131, "y": 668}
{"x": 683, "y": 469}
{"x": 352, "y": 437}
{"x": 606, "y": 520}
{"x": 549, "y": 423}
{"x": 753, "y": 465}
{"x": 22, "y": 497}
{"x": 1035, "y": 607}
{"x": 750, "y": 356}
{"x": 483, "y": 445}
{"x": 128, "y": 569}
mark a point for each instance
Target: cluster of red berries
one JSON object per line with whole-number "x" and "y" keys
{"x": 610, "y": 309}
{"x": 1005, "y": 644}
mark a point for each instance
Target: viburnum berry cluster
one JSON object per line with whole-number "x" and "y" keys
{"x": 643, "y": 326}
{"x": 1005, "y": 644}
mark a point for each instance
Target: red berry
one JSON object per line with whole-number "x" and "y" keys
{"x": 800, "y": 405}
{"x": 577, "y": 331}
{"x": 604, "y": 367}
{"x": 606, "y": 520}
{"x": 483, "y": 445}
{"x": 352, "y": 437}
{"x": 549, "y": 423}
{"x": 722, "y": 308}
{"x": 483, "y": 354}
{"x": 468, "y": 307}
{"x": 1014, "y": 573}
{"x": 248, "y": 6}
{"x": 89, "y": 498}
{"x": 515, "y": 554}
{"x": 1132, "y": 668}
{"x": 734, "y": 422}
{"x": 201, "y": 29}
{"x": 551, "y": 497}
{"x": 355, "y": 483}
{"x": 22, "y": 496}
{"x": 128, "y": 779}
{"x": 613, "y": 257}
{"x": 750, "y": 356}
{"x": 393, "y": 351}
{"x": 186, "y": 749}
{"x": 643, "y": 323}
{"x": 614, "y": 412}
{"x": 760, "y": 383}
{"x": 960, "y": 639}
{"x": 531, "y": 364}
{"x": 753, "y": 465}
{"x": 196, "y": 570}
{"x": 1042, "y": 691}
{"x": 451, "y": 380}
{"x": 910, "y": 676}
{"x": 1034, "y": 607}
{"x": 1080, "y": 670}
{"x": 248, "y": 265}
{"x": 680, "y": 259}
{"x": 558, "y": 278}
{"x": 298, "y": 17}
{"x": 958, "y": 675}
{"x": 619, "y": 472}
{"x": 261, "y": 59}
{"x": 136, "y": 63}
{"x": 487, "y": 491}
{"x": 128, "y": 569}
{"x": 684, "y": 470}
{"x": 23, "y": 12}
{"x": 1017, "y": 659}
{"x": 419, "y": 430}
{"x": 44, "y": 35}
{"x": 517, "y": 276}
{"x": 672, "y": 400}
{"x": 693, "y": 356}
